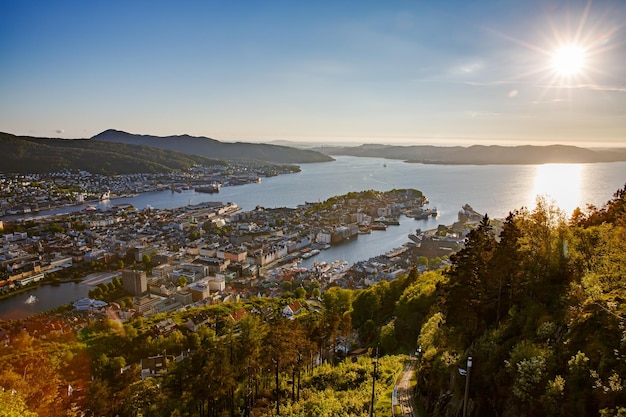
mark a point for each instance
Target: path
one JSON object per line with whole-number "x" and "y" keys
{"x": 402, "y": 401}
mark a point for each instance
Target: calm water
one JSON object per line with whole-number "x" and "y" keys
{"x": 48, "y": 298}
{"x": 494, "y": 189}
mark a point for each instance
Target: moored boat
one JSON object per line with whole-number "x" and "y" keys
{"x": 31, "y": 299}
{"x": 378, "y": 226}
{"x": 209, "y": 188}
{"x": 364, "y": 229}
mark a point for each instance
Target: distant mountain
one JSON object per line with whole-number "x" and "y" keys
{"x": 483, "y": 155}
{"x": 215, "y": 149}
{"x": 25, "y": 154}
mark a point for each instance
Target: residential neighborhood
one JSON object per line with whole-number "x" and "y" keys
{"x": 211, "y": 252}
{"x": 31, "y": 193}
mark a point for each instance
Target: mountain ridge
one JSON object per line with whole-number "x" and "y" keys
{"x": 40, "y": 155}
{"x": 482, "y": 154}
{"x": 213, "y": 148}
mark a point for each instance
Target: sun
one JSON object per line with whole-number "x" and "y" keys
{"x": 568, "y": 60}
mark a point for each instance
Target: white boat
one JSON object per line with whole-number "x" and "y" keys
{"x": 307, "y": 255}
{"x": 31, "y": 299}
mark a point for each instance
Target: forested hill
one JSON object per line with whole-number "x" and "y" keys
{"x": 482, "y": 155}
{"x": 24, "y": 154}
{"x": 215, "y": 149}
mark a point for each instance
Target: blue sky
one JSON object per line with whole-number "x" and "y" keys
{"x": 397, "y": 71}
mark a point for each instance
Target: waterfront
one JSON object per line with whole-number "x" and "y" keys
{"x": 495, "y": 189}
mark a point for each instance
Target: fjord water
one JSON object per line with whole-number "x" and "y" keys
{"x": 491, "y": 189}
{"x": 494, "y": 189}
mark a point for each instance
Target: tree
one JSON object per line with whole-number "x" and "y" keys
{"x": 12, "y": 404}
{"x": 388, "y": 339}
{"x": 147, "y": 260}
{"x": 117, "y": 281}
{"x": 300, "y": 293}
{"x": 286, "y": 285}
{"x": 282, "y": 344}
{"x": 249, "y": 354}
{"x": 469, "y": 279}
{"x": 415, "y": 304}
{"x": 336, "y": 301}
{"x": 506, "y": 263}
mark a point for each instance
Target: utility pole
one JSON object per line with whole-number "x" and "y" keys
{"x": 374, "y": 384}
{"x": 467, "y": 382}
{"x": 418, "y": 354}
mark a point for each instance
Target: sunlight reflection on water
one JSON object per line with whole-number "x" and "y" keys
{"x": 560, "y": 183}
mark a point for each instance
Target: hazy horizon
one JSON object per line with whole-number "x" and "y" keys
{"x": 311, "y": 142}
{"x": 448, "y": 73}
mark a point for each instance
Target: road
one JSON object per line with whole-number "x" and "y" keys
{"x": 402, "y": 401}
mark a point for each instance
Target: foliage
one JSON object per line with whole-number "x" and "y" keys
{"x": 540, "y": 308}
{"x": 12, "y": 404}
{"x": 40, "y": 155}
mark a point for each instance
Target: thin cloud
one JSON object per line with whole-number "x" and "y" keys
{"x": 595, "y": 87}
{"x": 482, "y": 114}
{"x": 554, "y": 100}
{"x": 488, "y": 83}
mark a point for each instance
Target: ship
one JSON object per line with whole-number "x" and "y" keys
{"x": 307, "y": 255}
{"x": 209, "y": 188}
{"x": 417, "y": 236}
{"x": 378, "y": 226}
{"x": 31, "y": 299}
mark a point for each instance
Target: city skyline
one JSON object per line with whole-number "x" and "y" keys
{"x": 405, "y": 72}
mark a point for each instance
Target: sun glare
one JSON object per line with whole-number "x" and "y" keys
{"x": 568, "y": 60}
{"x": 561, "y": 183}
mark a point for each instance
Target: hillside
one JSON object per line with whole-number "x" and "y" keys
{"x": 215, "y": 149}
{"x": 39, "y": 155}
{"x": 539, "y": 309}
{"x": 482, "y": 155}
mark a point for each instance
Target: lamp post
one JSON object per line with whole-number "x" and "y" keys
{"x": 467, "y": 382}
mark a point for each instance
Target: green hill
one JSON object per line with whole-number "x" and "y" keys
{"x": 38, "y": 155}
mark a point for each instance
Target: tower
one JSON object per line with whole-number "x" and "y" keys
{"x": 135, "y": 282}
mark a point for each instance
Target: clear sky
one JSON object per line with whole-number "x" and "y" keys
{"x": 394, "y": 71}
